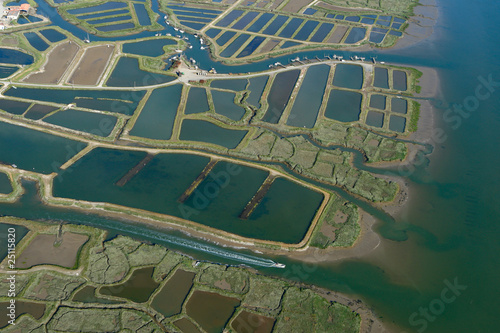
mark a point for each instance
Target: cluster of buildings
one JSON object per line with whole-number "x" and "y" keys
{"x": 12, "y": 13}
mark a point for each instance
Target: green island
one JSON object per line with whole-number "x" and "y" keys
{"x": 122, "y": 118}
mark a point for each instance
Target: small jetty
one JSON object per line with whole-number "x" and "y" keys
{"x": 203, "y": 174}
{"x": 257, "y": 198}
{"x": 135, "y": 170}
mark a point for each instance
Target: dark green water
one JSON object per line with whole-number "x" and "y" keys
{"x": 138, "y": 288}
{"x": 197, "y": 101}
{"x": 5, "y": 185}
{"x": 211, "y": 310}
{"x": 88, "y": 295}
{"x": 283, "y": 214}
{"x": 158, "y": 115}
{"x": 348, "y": 76}
{"x": 450, "y": 227}
{"x": 343, "y": 105}
{"x": 233, "y": 84}
{"x": 46, "y": 152}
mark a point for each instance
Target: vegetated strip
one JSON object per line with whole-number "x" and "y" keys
{"x": 257, "y": 198}
{"x": 203, "y": 174}
{"x": 135, "y": 170}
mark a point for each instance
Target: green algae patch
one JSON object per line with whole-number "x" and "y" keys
{"x": 211, "y": 310}
{"x": 172, "y": 295}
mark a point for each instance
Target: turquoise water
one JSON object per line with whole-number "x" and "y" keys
{"x": 217, "y": 201}
{"x": 30, "y": 206}
{"x": 233, "y": 84}
{"x": 47, "y": 152}
{"x": 118, "y": 101}
{"x": 343, "y": 105}
{"x": 158, "y": 115}
{"x": 348, "y": 76}
{"x": 38, "y": 111}
{"x": 287, "y": 206}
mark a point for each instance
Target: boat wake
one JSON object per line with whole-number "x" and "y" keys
{"x": 240, "y": 258}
